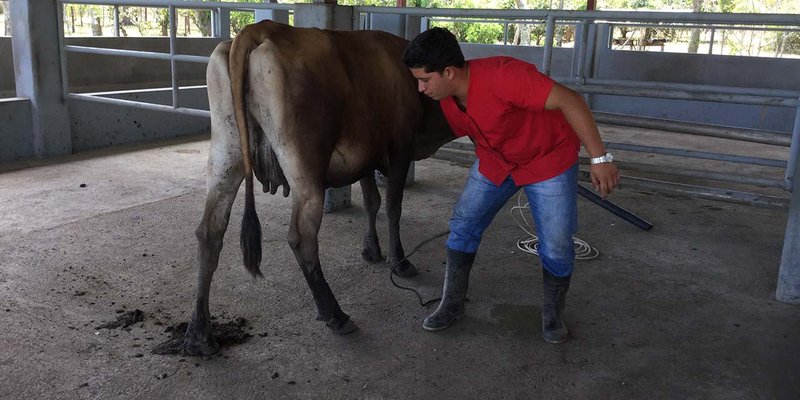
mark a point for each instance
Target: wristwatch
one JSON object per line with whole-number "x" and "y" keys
{"x": 605, "y": 158}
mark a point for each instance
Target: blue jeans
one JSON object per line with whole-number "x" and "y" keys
{"x": 553, "y": 204}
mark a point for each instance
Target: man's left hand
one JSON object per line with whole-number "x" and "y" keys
{"x": 605, "y": 177}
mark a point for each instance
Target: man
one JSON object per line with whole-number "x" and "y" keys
{"x": 527, "y": 131}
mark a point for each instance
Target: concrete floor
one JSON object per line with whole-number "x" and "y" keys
{"x": 686, "y": 310}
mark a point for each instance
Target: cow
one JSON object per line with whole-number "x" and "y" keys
{"x": 308, "y": 109}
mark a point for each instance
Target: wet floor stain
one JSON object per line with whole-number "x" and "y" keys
{"x": 517, "y": 319}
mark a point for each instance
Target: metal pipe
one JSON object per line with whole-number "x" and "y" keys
{"x": 582, "y": 50}
{"x": 711, "y": 42}
{"x": 623, "y": 16}
{"x": 173, "y": 28}
{"x": 701, "y": 192}
{"x": 116, "y": 21}
{"x": 224, "y": 23}
{"x": 137, "y": 53}
{"x": 712, "y": 26}
{"x": 547, "y": 59}
{"x": 724, "y": 132}
{"x": 705, "y": 155}
{"x": 672, "y": 170}
{"x": 139, "y": 105}
{"x": 684, "y": 95}
{"x": 691, "y": 87}
{"x": 793, "y": 153}
{"x": 62, "y": 52}
{"x": 615, "y": 209}
{"x": 184, "y": 4}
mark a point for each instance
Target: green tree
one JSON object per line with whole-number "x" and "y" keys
{"x": 694, "y": 39}
{"x": 6, "y": 18}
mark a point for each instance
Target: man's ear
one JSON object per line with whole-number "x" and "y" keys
{"x": 449, "y": 73}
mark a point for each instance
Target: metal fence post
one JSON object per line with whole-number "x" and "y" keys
{"x": 548, "y": 44}
{"x": 173, "y": 28}
{"x": 788, "y": 288}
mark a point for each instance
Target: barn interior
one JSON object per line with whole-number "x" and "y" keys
{"x": 103, "y": 170}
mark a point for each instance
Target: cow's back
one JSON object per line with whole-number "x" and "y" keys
{"x": 345, "y": 95}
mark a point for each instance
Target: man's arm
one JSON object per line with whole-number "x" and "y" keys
{"x": 605, "y": 176}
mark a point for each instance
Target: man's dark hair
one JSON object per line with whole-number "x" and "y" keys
{"x": 434, "y": 50}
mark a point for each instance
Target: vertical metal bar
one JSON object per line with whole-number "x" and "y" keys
{"x": 63, "y": 52}
{"x": 548, "y": 44}
{"x": 793, "y": 153}
{"x": 224, "y": 23}
{"x": 788, "y": 287}
{"x": 711, "y": 41}
{"x": 214, "y": 23}
{"x": 116, "y": 21}
{"x": 173, "y": 28}
{"x": 505, "y": 33}
{"x": 582, "y": 51}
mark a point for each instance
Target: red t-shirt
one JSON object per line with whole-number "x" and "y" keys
{"x": 506, "y": 119}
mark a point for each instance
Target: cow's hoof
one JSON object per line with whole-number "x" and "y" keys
{"x": 405, "y": 269}
{"x": 341, "y": 326}
{"x": 199, "y": 341}
{"x": 372, "y": 254}
{"x": 200, "y": 347}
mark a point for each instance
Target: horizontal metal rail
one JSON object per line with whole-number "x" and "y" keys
{"x": 722, "y": 132}
{"x": 462, "y": 153}
{"x": 693, "y": 87}
{"x": 694, "y": 173}
{"x": 686, "y": 95}
{"x": 137, "y": 53}
{"x": 701, "y": 192}
{"x": 597, "y": 16}
{"x": 766, "y": 28}
{"x": 140, "y": 105}
{"x": 183, "y": 4}
{"x": 704, "y": 155}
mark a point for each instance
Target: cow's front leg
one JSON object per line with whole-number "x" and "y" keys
{"x": 371, "y": 249}
{"x": 398, "y": 172}
{"x": 303, "y": 239}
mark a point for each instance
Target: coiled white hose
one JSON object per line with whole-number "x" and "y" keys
{"x": 530, "y": 244}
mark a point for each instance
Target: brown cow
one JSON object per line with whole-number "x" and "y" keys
{"x": 309, "y": 109}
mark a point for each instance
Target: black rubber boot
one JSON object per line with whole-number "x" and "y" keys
{"x": 454, "y": 294}
{"x": 555, "y": 295}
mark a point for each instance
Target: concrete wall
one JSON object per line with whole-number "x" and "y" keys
{"x": 16, "y": 141}
{"x": 6, "y": 68}
{"x": 90, "y": 72}
{"x": 704, "y": 69}
{"x": 120, "y": 124}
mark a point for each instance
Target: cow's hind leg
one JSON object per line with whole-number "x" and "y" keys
{"x": 398, "y": 171}
{"x": 303, "y": 239}
{"x": 210, "y": 231}
{"x": 371, "y": 249}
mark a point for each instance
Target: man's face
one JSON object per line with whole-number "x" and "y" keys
{"x": 433, "y": 84}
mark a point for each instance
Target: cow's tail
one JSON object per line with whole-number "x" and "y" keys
{"x": 250, "y": 236}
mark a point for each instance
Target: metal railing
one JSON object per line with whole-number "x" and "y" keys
{"x": 579, "y": 79}
{"x": 220, "y": 18}
{"x": 583, "y": 52}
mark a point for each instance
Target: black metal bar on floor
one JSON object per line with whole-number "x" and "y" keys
{"x": 615, "y": 209}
